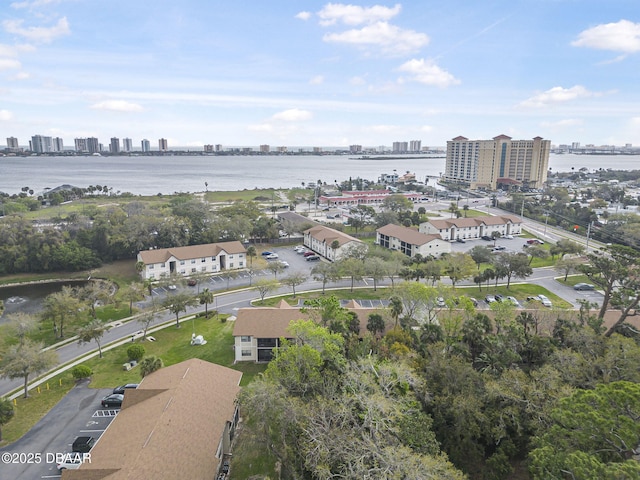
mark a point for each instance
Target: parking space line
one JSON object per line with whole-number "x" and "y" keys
{"x": 88, "y": 431}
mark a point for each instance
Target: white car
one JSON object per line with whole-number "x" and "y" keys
{"x": 172, "y": 287}
{"x": 513, "y": 301}
{"x": 544, "y": 300}
{"x": 71, "y": 461}
{"x": 284, "y": 264}
{"x": 508, "y": 237}
{"x": 272, "y": 256}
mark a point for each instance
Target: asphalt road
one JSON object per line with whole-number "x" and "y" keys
{"x": 35, "y": 455}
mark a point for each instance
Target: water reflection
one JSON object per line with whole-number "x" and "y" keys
{"x": 29, "y": 298}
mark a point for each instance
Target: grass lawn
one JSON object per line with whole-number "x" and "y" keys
{"x": 252, "y": 455}
{"x": 263, "y": 195}
{"x": 574, "y": 279}
{"x": 29, "y": 411}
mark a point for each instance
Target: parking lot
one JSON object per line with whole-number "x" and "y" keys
{"x": 35, "y": 455}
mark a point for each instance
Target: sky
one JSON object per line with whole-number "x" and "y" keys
{"x": 294, "y": 73}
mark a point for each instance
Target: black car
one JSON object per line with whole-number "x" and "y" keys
{"x": 487, "y": 238}
{"x": 113, "y": 400}
{"x": 82, "y": 444}
{"x": 122, "y": 388}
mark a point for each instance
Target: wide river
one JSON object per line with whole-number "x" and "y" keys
{"x": 170, "y": 174}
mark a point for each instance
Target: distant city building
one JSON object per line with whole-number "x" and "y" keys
{"x": 81, "y": 145}
{"x": 57, "y": 145}
{"x": 218, "y": 148}
{"x": 208, "y": 149}
{"x": 127, "y": 145}
{"x": 282, "y": 149}
{"x": 163, "y": 146}
{"x": 488, "y": 164}
{"x": 415, "y": 145}
{"x": 265, "y": 148}
{"x": 355, "y": 149}
{"x": 317, "y": 150}
{"x": 114, "y": 146}
{"x": 93, "y": 145}
{"x": 146, "y": 145}
{"x": 400, "y": 147}
{"x": 12, "y": 144}
{"x": 41, "y": 144}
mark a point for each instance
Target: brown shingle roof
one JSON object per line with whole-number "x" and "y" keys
{"x": 169, "y": 428}
{"x": 328, "y": 235}
{"x": 408, "y": 235}
{"x": 161, "y": 255}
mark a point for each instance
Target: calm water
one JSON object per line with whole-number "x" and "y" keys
{"x": 28, "y": 298}
{"x": 168, "y": 174}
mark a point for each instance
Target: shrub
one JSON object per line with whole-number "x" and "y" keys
{"x": 135, "y": 352}
{"x": 81, "y": 371}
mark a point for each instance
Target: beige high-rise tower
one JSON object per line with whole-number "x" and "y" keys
{"x": 488, "y": 164}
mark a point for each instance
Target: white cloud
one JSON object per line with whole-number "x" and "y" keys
{"x": 303, "y": 15}
{"x": 293, "y": 115}
{"x": 623, "y": 36}
{"x": 21, "y": 76}
{"x": 357, "y": 81}
{"x": 428, "y": 73}
{"x": 333, "y": 13}
{"x": 317, "y": 80}
{"x": 38, "y": 34}
{"x": 5, "y": 115}
{"x": 558, "y": 95}
{"x": 9, "y": 64}
{"x": 426, "y": 128}
{"x": 568, "y": 122}
{"x": 33, "y": 3}
{"x": 117, "y": 106}
{"x": 393, "y": 41}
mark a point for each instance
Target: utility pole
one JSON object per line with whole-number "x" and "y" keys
{"x": 546, "y": 221}
{"x": 588, "y": 235}
{"x": 522, "y": 211}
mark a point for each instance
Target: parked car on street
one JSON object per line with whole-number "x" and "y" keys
{"x": 312, "y": 258}
{"x": 543, "y": 299}
{"x": 513, "y": 301}
{"x": 308, "y": 253}
{"x": 264, "y": 254}
{"x": 490, "y": 299}
{"x": 272, "y": 256}
{"x": 583, "y": 286}
{"x": 120, "y": 389}
{"x": 461, "y": 240}
{"x": 487, "y": 238}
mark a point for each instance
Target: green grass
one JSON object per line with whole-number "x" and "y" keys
{"x": 29, "y": 411}
{"x": 252, "y": 455}
{"x": 246, "y": 195}
{"x": 574, "y": 279}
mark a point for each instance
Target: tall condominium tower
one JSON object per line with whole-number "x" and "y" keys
{"x": 57, "y": 144}
{"x": 146, "y": 145}
{"x": 127, "y": 145}
{"x": 488, "y": 164}
{"x": 41, "y": 144}
{"x": 415, "y": 145}
{"x": 12, "y": 144}
{"x": 93, "y": 145}
{"x": 162, "y": 145}
{"x": 114, "y": 146}
{"x": 81, "y": 145}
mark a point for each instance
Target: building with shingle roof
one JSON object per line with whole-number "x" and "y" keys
{"x": 410, "y": 241}
{"x": 470, "y": 228}
{"x": 178, "y": 423}
{"x": 331, "y": 244}
{"x": 258, "y": 330}
{"x": 189, "y": 260}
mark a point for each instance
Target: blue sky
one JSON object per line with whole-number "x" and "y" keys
{"x": 284, "y": 72}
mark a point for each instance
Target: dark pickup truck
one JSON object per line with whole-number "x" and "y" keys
{"x": 83, "y": 444}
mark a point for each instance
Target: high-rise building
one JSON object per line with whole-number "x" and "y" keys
{"x": 57, "y": 145}
{"x": 81, "y": 145}
{"x": 163, "y": 145}
{"x": 114, "y": 146}
{"x": 127, "y": 145}
{"x": 208, "y": 148}
{"x": 146, "y": 145}
{"x": 265, "y": 148}
{"x": 41, "y": 144}
{"x": 487, "y": 164}
{"x": 12, "y": 144}
{"x": 400, "y": 147}
{"x": 355, "y": 149}
{"x": 415, "y": 145}
{"x": 93, "y": 145}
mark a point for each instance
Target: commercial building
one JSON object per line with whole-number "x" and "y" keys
{"x": 497, "y": 163}
{"x": 114, "y": 146}
{"x": 329, "y": 243}
{"x": 41, "y": 144}
{"x": 364, "y": 197}
{"x": 472, "y": 228}
{"x": 163, "y": 146}
{"x": 178, "y": 424}
{"x": 411, "y": 242}
{"x": 145, "y": 145}
{"x": 185, "y": 261}
{"x": 127, "y": 145}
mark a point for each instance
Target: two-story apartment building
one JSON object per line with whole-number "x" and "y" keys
{"x": 410, "y": 241}
{"x": 186, "y": 261}
{"x": 329, "y": 243}
{"x": 469, "y": 228}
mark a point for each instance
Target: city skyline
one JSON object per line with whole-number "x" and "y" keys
{"x": 329, "y": 74}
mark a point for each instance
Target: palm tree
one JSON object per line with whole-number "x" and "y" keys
{"x": 251, "y": 252}
{"x": 395, "y": 304}
{"x": 150, "y": 364}
{"x": 206, "y": 297}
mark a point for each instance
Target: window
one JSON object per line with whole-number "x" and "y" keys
{"x": 203, "y": 260}
{"x": 151, "y": 267}
{"x": 203, "y": 269}
{"x": 193, "y": 260}
{"x": 230, "y": 256}
{"x": 231, "y": 265}
{"x": 182, "y": 272}
{"x": 194, "y": 270}
{"x": 241, "y": 264}
{"x": 246, "y": 352}
{"x": 245, "y": 338}
{"x": 181, "y": 262}
{"x": 162, "y": 265}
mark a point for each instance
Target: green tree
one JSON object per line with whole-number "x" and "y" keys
{"x": 594, "y": 435}
{"x": 61, "y": 306}
{"x": 512, "y": 265}
{"x": 150, "y": 364}
{"x": 376, "y": 268}
{"x": 132, "y": 293}
{"x": 93, "y": 331}
{"x": 537, "y": 251}
{"x": 325, "y": 272}
{"x": 458, "y": 266}
{"x": 353, "y": 268}
{"x": 480, "y": 254}
{"x": 568, "y": 265}
{"x": 22, "y": 361}
{"x": 6, "y": 413}
{"x": 135, "y": 352}
{"x": 375, "y": 323}
{"x": 275, "y": 268}
{"x": 21, "y": 324}
{"x": 396, "y": 307}
{"x": 205, "y": 297}
{"x": 397, "y": 203}
{"x": 96, "y": 293}
{"x": 179, "y": 303}
{"x": 265, "y": 286}
{"x": 294, "y": 280}
{"x": 251, "y": 253}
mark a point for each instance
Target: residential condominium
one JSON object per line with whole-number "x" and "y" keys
{"x": 127, "y": 145}
{"x": 145, "y": 145}
{"x": 114, "y": 146}
{"x": 12, "y": 144}
{"x": 497, "y": 163}
{"x": 163, "y": 145}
